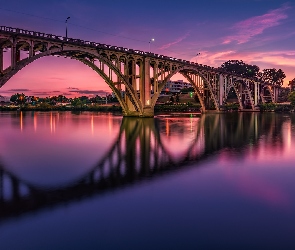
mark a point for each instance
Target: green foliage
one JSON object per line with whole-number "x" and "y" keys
{"x": 187, "y": 90}
{"x": 78, "y": 103}
{"x": 292, "y": 82}
{"x": 283, "y": 94}
{"x": 276, "y": 107}
{"x": 291, "y": 98}
{"x": 267, "y": 106}
{"x": 13, "y": 98}
{"x": 231, "y": 106}
{"x": 272, "y": 76}
{"x": 240, "y": 68}
{"x": 181, "y": 107}
{"x": 18, "y": 98}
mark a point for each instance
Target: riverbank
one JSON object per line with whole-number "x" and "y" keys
{"x": 103, "y": 108}
{"x": 160, "y": 108}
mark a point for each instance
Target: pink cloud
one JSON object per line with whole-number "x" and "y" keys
{"x": 251, "y": 27}
{"x": 166, "y": 46}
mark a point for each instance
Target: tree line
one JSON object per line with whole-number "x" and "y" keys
{"x": 21, "y": 99}
{"x": 269, "y": 76}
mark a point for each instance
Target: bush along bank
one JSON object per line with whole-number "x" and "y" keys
{"x": 48, "y": 107}
{"x": 276, "y": 107}
{"x": 180, "y": 107}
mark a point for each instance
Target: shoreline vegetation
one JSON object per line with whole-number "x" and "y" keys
{"x": 159, "y": 108}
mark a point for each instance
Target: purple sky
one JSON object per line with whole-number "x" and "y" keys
{"x": 260, "y": 32}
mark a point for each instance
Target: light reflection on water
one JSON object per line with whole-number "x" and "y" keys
{"x": 173, "y": 182}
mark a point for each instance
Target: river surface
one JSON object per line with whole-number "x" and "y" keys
{"x": 100, "y": 181}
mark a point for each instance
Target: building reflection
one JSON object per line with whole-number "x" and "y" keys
{"x": 142, "y": 151}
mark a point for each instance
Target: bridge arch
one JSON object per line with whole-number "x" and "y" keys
{"x": 87, "y": 59}
{"x": 267, "y": 88}
{"x": 237, "y": 93}
{"x": 199, "y": 91}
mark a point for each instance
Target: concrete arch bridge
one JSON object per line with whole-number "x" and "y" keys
{"x": 139, "y": 75}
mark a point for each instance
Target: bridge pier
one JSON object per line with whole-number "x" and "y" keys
{"x": 147, "y": 112}
{"x": 13, "y": 56}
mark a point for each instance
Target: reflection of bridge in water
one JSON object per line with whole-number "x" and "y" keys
{"x": 139, "y": 154}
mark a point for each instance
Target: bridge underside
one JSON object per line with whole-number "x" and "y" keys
{"x": 136, "y": 78}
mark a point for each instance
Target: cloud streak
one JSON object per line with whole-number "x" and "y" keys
{"x": 254, "y": 26}
{"x": 90, "y": 92}
{"x": 180, "y": 39}
{"x": 18, "y": 90}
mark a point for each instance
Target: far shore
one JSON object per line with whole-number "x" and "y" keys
{"x": 159, "y": 108}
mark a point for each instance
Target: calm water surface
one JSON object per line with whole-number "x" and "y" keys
{"x": 98, "y": 181}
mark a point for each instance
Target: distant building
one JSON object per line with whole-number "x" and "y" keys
{"x": 4, "y": 99}
{"x": 175, "y": 87}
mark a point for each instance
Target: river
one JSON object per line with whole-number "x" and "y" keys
{"x": 100, "y": 181}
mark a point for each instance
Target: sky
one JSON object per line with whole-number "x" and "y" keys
{"x": 260, "y": 32}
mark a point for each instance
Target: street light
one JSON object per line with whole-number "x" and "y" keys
{"x": 152, "y": 40}
{"x": 197, "y": 56}
{"x": 67, "y": 27}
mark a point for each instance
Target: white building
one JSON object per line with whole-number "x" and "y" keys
{"x": 4, "y": 99}
{"x": 175, "y": 86}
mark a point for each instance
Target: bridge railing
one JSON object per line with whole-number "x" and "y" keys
{"x": 91, "y": 44}
{"x": 79, "y": 42}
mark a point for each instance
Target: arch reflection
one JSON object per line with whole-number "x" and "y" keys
{"x": 140, "y": 152}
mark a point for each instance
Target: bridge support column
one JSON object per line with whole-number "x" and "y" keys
{"x": 129, "y": 71}
{"x": 155, "y": 76}
{"x": 31, "y": 50}
{"x": 145, "y": 89}
{"x": 13, "y": 56}
{"x": 256, "y": 93}
{"x": 1, "y": 60}
{"x": 222, "y": 83}
{"x": 275, "y": 93}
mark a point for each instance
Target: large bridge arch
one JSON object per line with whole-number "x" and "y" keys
{"x": 87, "y": 59}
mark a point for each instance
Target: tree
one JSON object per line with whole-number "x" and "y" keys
{"x": 187, "y": 90}
{"x": 18, "y": 98}
{"x": 53, "y": 100}
{"x": 273, "y": 76}
{"x": 283, "y": 94}
{"x": 292, "y": 84}
{"x": 240, "y": 68}
{"x": 77, "y": 102}
{"x": 62, "y": 99}
{"x": 291, "y": 98}
{"x": 13, "y": 98}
